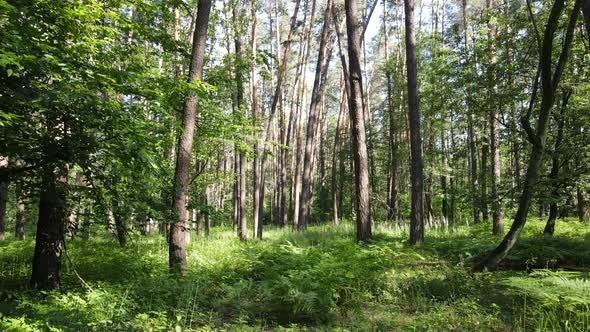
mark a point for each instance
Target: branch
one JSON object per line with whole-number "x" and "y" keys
{"x": 532, "y": 17}
{"x": 566, "y": 45}
{"x": 201, "y": 169}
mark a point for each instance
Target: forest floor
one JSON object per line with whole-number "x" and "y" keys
{"x": 318, "y": 279}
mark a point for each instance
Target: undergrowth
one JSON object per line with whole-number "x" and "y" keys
{"x": 317, "y": 279}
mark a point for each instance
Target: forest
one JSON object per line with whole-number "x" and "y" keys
{"x": 294, "y": 165}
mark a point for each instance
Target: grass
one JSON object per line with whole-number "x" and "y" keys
{"x": 318, "y": 279}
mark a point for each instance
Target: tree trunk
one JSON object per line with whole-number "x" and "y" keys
{"x": 3, "y": 202}
{"x": 470, "y": 125}
{"x": 417, "y": 175}
{"x": 254, "y": 98}
{"x": 178, "y": 229}
{"x": 549, "y": 83}
{"x": 586, "y": 12}
{"x": 582, "y": 204}
{"x": 120, "y": 228}
{"x": 313, "y": 120}
{"x": 357, "y": 123}
{"x": 343, "y": 105}
{"x": 282, "y": 72}
{"x": 555, "y": 192}
{"x": 49, "y": 240}
{"x": 19, "y": 231}
{"x": 483, "y": 199}
{"x": 86, "y": 224}
{"x": 497, "y": 216}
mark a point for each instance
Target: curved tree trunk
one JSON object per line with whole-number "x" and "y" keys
{"x": 549, "y": 83}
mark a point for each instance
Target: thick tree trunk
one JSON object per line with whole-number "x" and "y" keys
{"x": 357, "y": 123}
{"x": 417, "y": 175}
{"x": 549, "y": 83}
{"x": 49, "y": 240}
{"x": 313, "y": 119}
{"x": 178, "y": 229}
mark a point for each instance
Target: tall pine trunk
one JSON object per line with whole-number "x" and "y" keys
{"x": 313, "y": 120}
{"x": 179, "y": 228}
{"x": 357, "y": 123}
{"x": 417, "y": 172}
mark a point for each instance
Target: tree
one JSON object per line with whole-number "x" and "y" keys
{"x": 179, "y": 228}
{"x": 357, "y": 123}
{"x": 3, "y": 198}
{"x": 549, "y": 81}
{"x": 417, "y": 175}
{"x": 313, "y": 122}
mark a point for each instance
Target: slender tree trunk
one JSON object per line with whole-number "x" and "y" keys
{"x": 178, "y": 229}
{"x": 470, "y": 125}
{"x": 586, "y": 13}
{"x": 313, "y": 121}
{"x": 254, "y": 97}
{"x": 86, "y": 224}
{"x": 550, "y": 225}
{"x": 343, "y": 106}
{"x": 120, "y": 228}
{"x": 549, "y": 84}
{"x": 282, "y": 72}
{"x": 582, "y": 204}
{"x": 497, "y": 215}
{"x": 483, "y": 199}
{"x": 19, "y": 231}
{"x": 417, "y": 175}
{"x": 242, "y": 223}
{"x": 3, "y": 203}
{"x": 357, "y": 123}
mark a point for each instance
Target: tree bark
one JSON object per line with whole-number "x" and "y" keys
{"x": 357, "y": 123}
{"x": 49, "y": 240}
{"x": 497, "y": 215}
{"x": 343, "y": 105}
{"x": 549, "y": 83}
{"x": 19, "y": 231}
{"x": 178, "y": 229}
{"x": 282, "y": 72}
{"x": 417, "y": 175}
{"x": 313, "y": 120}
{"x": 3, "y": 203}
{"x": 553, "y": 208}
{"x": 470, "y": 125}
{"x": 254, "y": 97}
{"x": 86, "y": 224}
